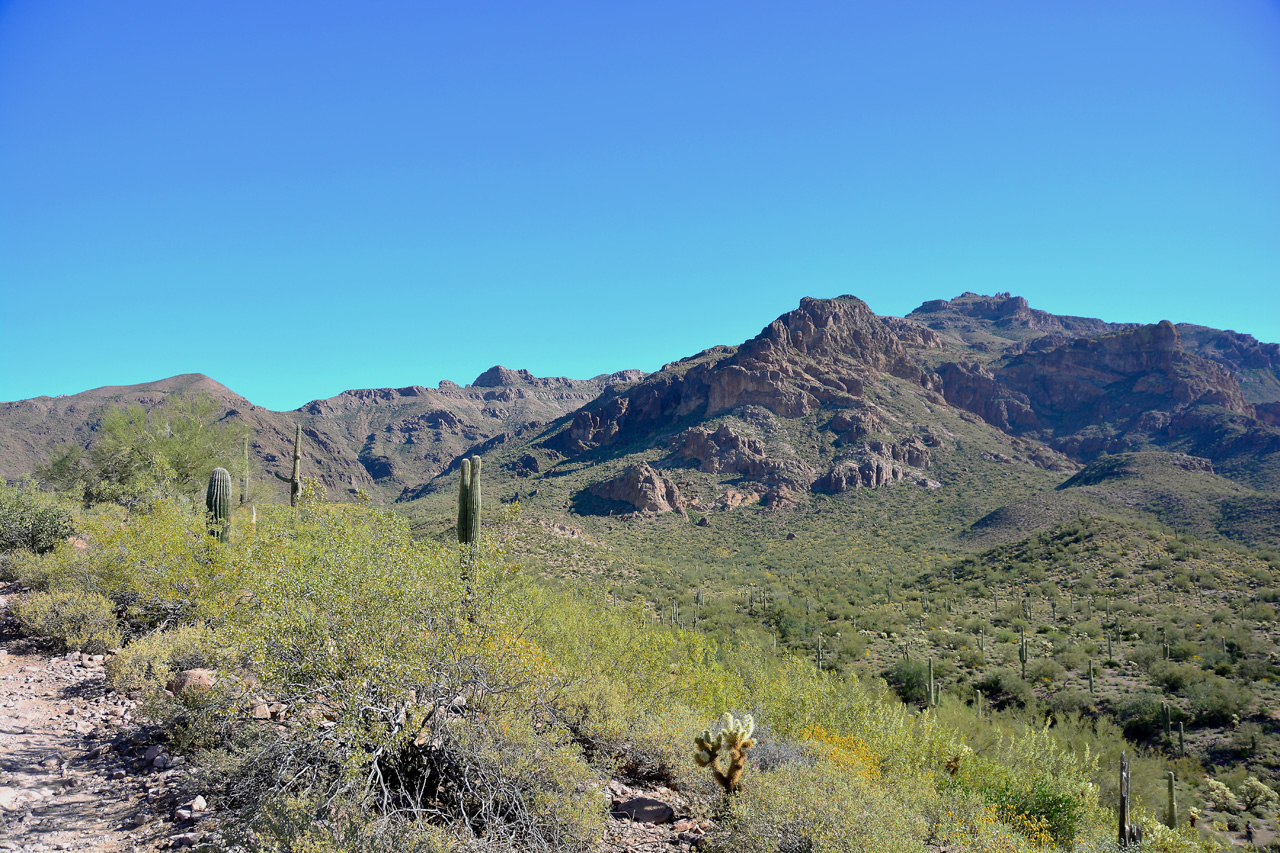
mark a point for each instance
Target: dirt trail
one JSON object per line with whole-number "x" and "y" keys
{"x": 74, "y": 773}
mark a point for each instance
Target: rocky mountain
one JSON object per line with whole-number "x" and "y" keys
{"x": 978, "y": 392}
{"x": 384, "y": 439}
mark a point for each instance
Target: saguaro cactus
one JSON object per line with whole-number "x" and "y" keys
{"x": 244, "y": 477}
{"x": 217, "y": 499}
{"x": 734, "y": 740}
{"x": 1171, "y": 817}
{"x": 1127, "y": 832}
{"x": 469, "y": 502}
{"x": 931, "y": 701}
{"x": 295, "y": 479}
{"x": 1022, "y": 654}
{"x": 1090, "y": 675}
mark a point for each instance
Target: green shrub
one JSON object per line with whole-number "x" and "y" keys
{"x": 910, "y": 678}
{"x": 1004, "y": 688}
{"x": 79, "y": 620}
{"x": 1140, "y": 715}
{"x": 821, "y": 808}
{"x": 1046, "y": 670}
{"x": 1216, "y": 700}
{"x": 1032, "y": 778}
{"x": 146, "y": 664}
{"x": 31, "y": 521}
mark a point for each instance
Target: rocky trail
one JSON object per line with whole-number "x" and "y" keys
{"x": 78, "y": 771}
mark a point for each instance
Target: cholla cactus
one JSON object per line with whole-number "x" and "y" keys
{"x": 1253, "y": 793}
{"x": 1220, "y": 797}
{"x": 733, "y": 739}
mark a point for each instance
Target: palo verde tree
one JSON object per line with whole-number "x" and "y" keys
{"x": 143, "y": 455}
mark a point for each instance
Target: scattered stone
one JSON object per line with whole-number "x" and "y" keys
{"x": 186, "y": 839}
{"x": 645, "y": 810}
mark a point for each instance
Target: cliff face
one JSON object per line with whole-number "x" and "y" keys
{"x": 1111, "y": 393}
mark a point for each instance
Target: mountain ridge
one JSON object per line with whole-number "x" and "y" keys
{"x": 827, "y": 399}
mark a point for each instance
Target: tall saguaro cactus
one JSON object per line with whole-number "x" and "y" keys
{"x": 1126, "y": 831}
{"x": 1023, "y": 654}
{"x": 1171, "y": 817}
{"x": 244, "y": 477}
{"x": 295, "y": 479}
{"x": 217, "y": 499}
{"x": 469, "y": 502}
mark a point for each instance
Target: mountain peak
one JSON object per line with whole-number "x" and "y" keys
{"x": 182, "y": 383}
{"x": 500, "y": 377}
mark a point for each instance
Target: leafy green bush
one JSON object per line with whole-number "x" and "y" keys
{"x": 820, "y": 808}
{"x": 160, "y": 564}
{"x": 1140, "y": 715}
{"x": 1004, "y": 688}
{"x": 145, "y": 664}
{"x": 910, "y": 678}
{"x": 80, "y": 621}
{"x": 1032, "y": 776}
{"x": 31, "y": 520}
{"x": 1216, "y": 700}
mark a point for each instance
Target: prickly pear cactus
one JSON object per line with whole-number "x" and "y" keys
{"x": 732, "y": 742}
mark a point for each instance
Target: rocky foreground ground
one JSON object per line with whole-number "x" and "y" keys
{"x": 78, "y": 769}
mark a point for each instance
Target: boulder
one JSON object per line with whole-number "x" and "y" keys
{"x": 192, "y": 679}
{"x": 642, "y": 487}
{"x": 645, "y": 810}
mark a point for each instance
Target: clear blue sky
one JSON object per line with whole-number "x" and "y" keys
{"x": 297, "y": 198}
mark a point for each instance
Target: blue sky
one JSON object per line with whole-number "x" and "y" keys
{"x": 297, "y": 198}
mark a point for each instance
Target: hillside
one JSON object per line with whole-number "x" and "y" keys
{"x": 383, "y": 440}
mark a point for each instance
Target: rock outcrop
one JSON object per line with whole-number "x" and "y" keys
{"x": 724, "y": 451}
{"x": 851, "y": 474}
{"x": 643, "y": 488}
{"x": 1093, "y": 395}
{"x": 972, "y": 314}
{"x": 876, "y": 464}
{"x": 824, "y": 353}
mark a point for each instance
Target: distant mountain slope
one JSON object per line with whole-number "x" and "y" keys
{"x": 365, "y": 438}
